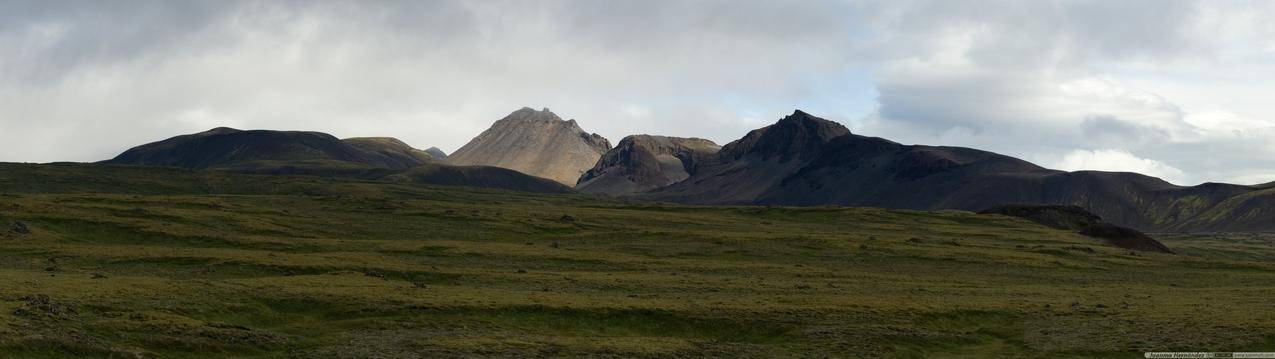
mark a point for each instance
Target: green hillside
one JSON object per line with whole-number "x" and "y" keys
{"x": 158, "y": 262}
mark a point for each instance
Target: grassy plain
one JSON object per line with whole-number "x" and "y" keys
{"x": 127, "y": 261}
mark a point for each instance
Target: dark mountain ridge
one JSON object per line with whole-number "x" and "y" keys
{"x": 235, "y": 149}
{"x": 806, "y": 160}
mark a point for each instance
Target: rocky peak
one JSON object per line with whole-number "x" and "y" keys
{"x": 538, "y": 143}
{"x": 644, "y": 162}
{"x": 799, "y": 135}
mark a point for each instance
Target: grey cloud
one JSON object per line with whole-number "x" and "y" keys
{"x": 1106, "y": 131}
{"x": 433, "y": 73}
{"x": 76, "y": 33}
{"x": 83, "y": 80}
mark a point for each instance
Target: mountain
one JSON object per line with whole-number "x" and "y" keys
{"x": 537, "y": 143}
{"x": 436, "y": 153}
{"x": 806, "y": 160}
{"x": 643, "y": 162}
{"x": 392, "y": 148}
{"x": 229, "y": 148}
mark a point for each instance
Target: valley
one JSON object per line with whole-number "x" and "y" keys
{"x": 131, "y": 261}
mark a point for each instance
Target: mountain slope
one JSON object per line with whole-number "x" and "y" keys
{"x": 643, "y": 162}
{"x": 538, "y": 143}
{"x": 805, "y": 160}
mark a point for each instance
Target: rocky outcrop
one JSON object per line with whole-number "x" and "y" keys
{"x": 641, "y": 163}
{"x": 537, "y": 143}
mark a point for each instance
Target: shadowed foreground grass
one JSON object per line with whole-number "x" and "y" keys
{"x": 126, "y": 261}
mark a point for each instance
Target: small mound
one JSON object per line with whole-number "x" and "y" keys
{"x": 1053, "y": 216}
{"x": 1126, "y": 238}
{"x": 479, "y": 176}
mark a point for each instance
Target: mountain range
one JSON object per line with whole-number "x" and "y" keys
{"x": 800, "y": 160}
{"x": 806, "y": 160}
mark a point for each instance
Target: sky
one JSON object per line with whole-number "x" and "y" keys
{"x": 1182, "y": 90}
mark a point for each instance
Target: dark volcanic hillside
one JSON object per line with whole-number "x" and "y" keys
{"x": 805, "y": 160}
{"x": 537, "y": 143}
{"x": 643, "y": 162}
{"x": 234, "y": 149}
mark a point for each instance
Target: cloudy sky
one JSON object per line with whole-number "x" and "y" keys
{"x": 1182, "y": 90}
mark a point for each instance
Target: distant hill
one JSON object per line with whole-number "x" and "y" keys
{"x": 643, "y": 162}
{"x": 436, "y": 153}
{"x": 537, "y": 143}
{"x": 228, "y": 148}
{"x": 392, "y": 148}
{"x": 320, "y": 154}
{"x": 806, "y": 160}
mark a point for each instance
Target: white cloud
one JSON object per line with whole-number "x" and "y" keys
{"x": 1177, "y": 81}
{"x": 1111, "y": 160}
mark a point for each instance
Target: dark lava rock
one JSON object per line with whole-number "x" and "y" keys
{"x": 19, "y": 228}
{"x": 1126, "y": 238}
{"x": 1052, "y": 216}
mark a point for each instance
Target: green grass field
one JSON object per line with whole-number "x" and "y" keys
{"x": 125, "y": 261}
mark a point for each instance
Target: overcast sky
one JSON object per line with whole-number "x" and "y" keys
{"x": 1181, "y": 90}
